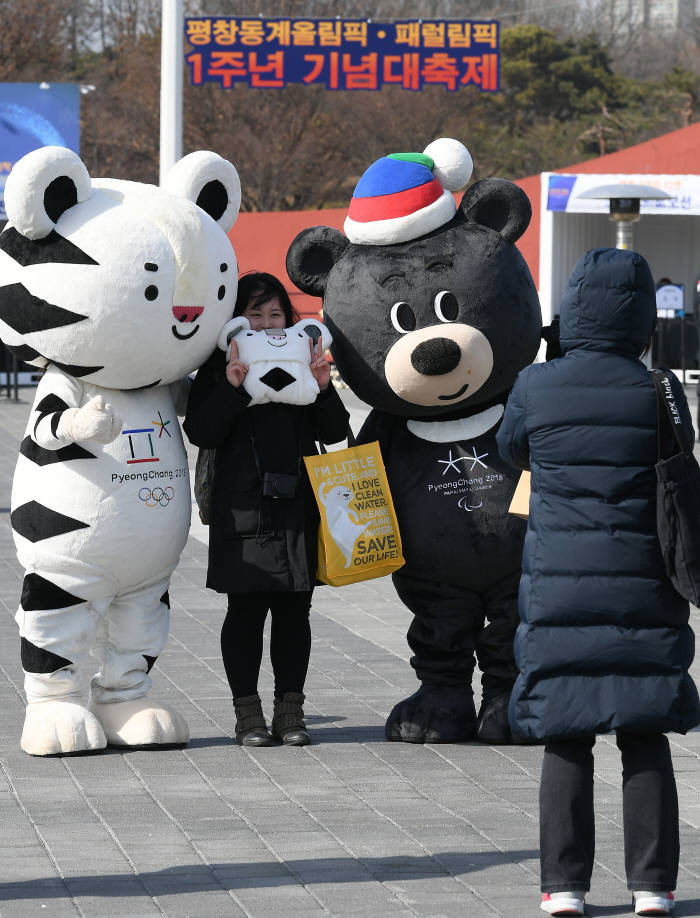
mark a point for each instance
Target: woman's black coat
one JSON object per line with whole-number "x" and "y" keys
{"x": 259, "y": 543}
{"x": 604, "y": 640}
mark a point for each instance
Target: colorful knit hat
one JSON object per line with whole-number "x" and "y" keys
{"x": 406, "y": 195}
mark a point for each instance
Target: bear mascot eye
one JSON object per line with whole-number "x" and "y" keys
{"x": 402, "y": 317}
{"x": 446, "y": 306}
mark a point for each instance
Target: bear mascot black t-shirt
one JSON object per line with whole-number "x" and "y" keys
{"x": 433, "y": 313}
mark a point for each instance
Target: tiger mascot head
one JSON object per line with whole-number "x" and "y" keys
{"x": 122, "y": 284}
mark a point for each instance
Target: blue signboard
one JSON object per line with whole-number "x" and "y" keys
{"x": 32, "y": 117}
{"x": 348, "y": 54}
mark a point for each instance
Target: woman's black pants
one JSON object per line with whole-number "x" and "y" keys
{"x": 649, "y": 813}
{"x": 290, "y": 640}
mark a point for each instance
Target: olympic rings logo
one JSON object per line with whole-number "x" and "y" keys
{"x": 157, "y": 496}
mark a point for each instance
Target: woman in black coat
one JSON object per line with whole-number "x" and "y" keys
{"x": 264, "y": 518}
{"x": 604, "y": 641}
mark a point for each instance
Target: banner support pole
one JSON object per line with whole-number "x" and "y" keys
{"x": 171, "y": 65}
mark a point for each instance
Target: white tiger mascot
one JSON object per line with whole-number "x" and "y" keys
{"x": 120, "y": 290}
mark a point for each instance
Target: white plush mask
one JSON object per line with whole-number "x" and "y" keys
{"x": 278, "y": 359}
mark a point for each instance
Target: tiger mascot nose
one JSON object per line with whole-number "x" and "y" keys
{"x": 187, "y": 313}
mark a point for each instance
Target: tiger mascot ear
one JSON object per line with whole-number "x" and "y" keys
{"x": 41, "y": 187}
{"x": 209, "y": 181}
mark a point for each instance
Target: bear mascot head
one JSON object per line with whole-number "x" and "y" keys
{"x": 118, "y": 290}
{"x": 433, "y": 313}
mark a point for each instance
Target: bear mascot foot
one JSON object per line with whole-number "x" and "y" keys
{"x": 433, "y": 714}
{"x": 60, "y": 728}
{"x": 492, "y": 726}
{"x": 141, "y": 723}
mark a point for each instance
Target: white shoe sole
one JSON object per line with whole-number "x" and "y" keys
{"x": 653, "y": 905}
{"x": 563, "y": 906}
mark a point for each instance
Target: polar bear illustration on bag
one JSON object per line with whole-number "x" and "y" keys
{"x": 342, "y": 525}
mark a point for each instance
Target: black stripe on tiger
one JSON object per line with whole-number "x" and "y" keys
{"x": 35, "y": 522}
{"x": 22, "y": 351}
{"x": 52, "y": 249}
{"x": 26, "y": 313}
{"x": 39, "y": 594}
{"x": 39, "y": 660}
{"x": 42, "y": 456}
{"x": 73, "y": 369}
{"x": 48, "y": 405}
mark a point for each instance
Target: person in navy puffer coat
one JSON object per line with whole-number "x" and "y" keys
{"x": 604, "y": 641}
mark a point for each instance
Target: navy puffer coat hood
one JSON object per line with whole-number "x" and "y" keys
{"x": 609, "y": 303}
{"x": 604, "y": 641}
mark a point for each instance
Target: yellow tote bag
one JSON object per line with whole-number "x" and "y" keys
{"x": 358, "y": 538}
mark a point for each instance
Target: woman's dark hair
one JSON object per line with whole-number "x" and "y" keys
{"x": 258, "y": 287}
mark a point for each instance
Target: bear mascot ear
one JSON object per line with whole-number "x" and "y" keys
{"x": 41, "y": 187}
{"x": 311, "y": 256}
{"x": 211, "y": 182}
{"x": 498, "y": 204}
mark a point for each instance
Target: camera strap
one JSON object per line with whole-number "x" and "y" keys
{"x": 256, "y": 457}
{"x": 261, "y": 536}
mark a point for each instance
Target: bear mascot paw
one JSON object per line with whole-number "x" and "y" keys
{"x": 433, "y": 714}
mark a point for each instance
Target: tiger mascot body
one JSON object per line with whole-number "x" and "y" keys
{"x": 120, "y": 290}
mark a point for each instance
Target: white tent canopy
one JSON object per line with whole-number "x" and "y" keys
{"x": 667, "y": 235}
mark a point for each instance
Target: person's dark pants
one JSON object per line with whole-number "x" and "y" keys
{"x": 649, "y": 810}
{"x": 290, "y": 640}
{"x": 452, "y": 624}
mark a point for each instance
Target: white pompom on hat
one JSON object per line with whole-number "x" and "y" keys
{"x": 406, "y": 195}
{"x": 453, "y": 163}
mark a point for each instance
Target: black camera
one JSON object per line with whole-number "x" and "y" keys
{"x": 279, "y": 485}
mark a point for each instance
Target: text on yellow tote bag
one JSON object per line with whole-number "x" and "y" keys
{"x": 358, "y": 538}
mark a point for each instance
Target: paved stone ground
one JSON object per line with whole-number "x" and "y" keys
{"x": 349, "y": 826}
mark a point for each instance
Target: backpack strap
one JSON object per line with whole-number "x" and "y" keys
{"x": 666, "y": 411}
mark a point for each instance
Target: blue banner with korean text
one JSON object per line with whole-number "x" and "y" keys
{"x": 347, "y": 54}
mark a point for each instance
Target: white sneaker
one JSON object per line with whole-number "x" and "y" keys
{"x": 653, "y": 903}
{"x": 563, "y": 903}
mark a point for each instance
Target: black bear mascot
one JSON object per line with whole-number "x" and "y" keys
{"x": 433, "y": 313}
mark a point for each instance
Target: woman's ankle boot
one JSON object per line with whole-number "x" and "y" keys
{"x": 251, "y": 729}
{"x": 288, "y": 720}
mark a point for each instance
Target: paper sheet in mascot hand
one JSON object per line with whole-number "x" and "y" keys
{"x": 277, "y": 359}
{"x": 120, "y": 290}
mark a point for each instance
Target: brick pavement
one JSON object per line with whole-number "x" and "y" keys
{"x": 349, "y": 826}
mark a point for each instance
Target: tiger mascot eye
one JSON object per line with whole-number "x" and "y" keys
{"x": 119, "y": 290}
